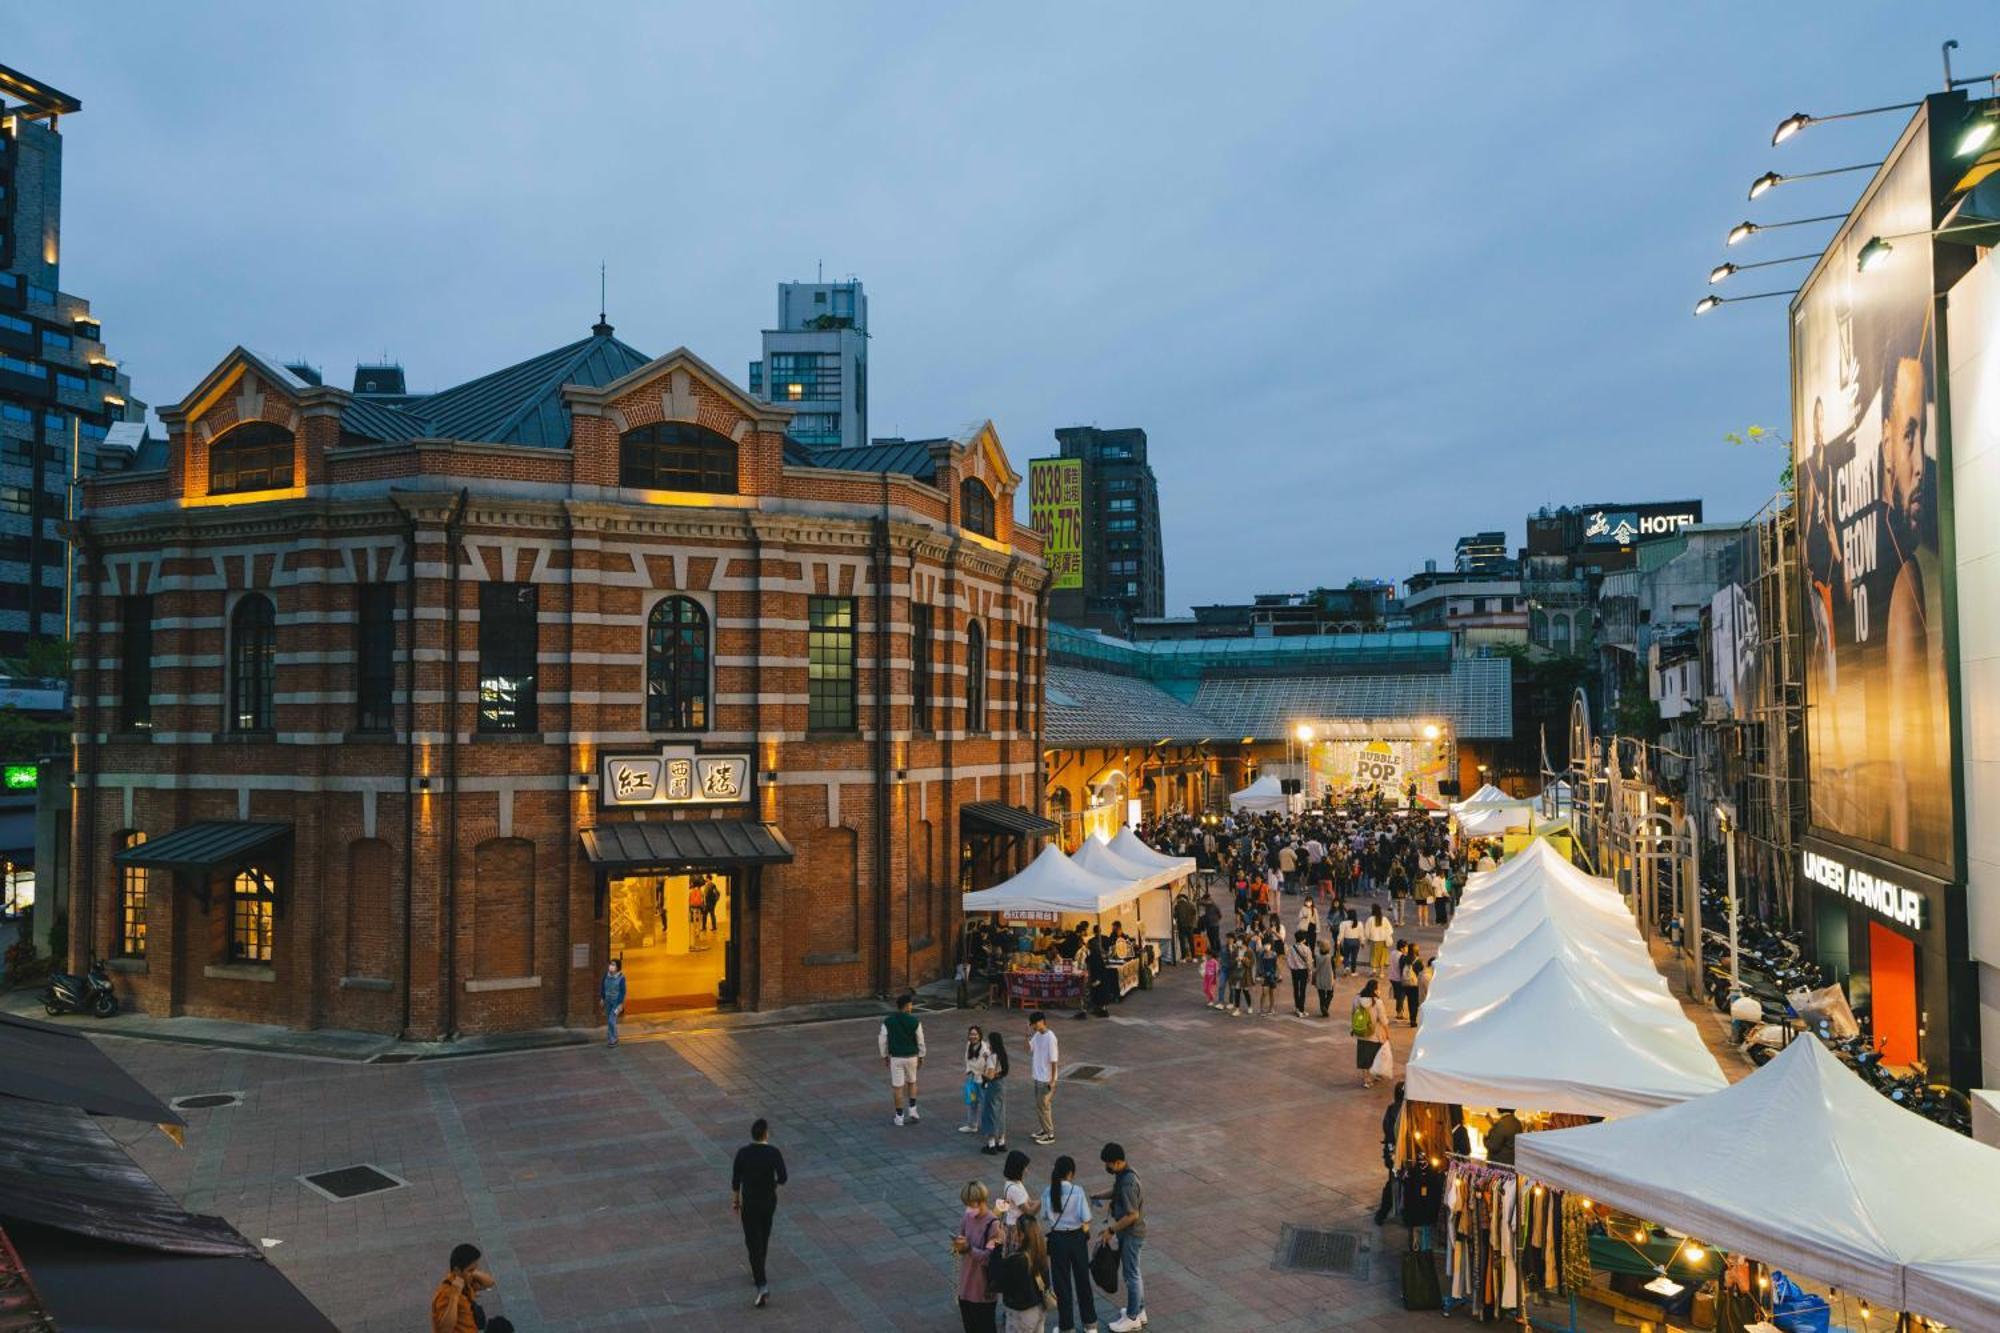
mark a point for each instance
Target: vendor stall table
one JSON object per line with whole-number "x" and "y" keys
{"x": 1037, "y": 990}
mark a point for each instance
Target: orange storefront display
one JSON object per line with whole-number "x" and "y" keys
{"x": 1892, "y": 978}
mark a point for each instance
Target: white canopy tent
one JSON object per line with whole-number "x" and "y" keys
{"x": 1129, "y": 845}
{"x": 1804, "y": 1166}
{"x": 1487, "y": 795}
{"x": 1103, "y": 860}
{"x": 1545, "y": 999}
{"x": 1486, "y": 821}
{"x": 1262, "y": 795}
{"x": 1054, "y": 883}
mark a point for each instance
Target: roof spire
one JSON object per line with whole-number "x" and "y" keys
{"x": 601, "y": 328}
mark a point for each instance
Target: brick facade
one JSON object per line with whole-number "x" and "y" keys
{"x": 434, "y": 880}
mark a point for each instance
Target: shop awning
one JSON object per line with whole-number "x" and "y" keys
{"x": 1002, "y": 818}
{"x": 40, "y": 1062}
{"x": 673, "y": 844}
{"x": 205, "y": 847}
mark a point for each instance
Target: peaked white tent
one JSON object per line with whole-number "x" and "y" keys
{"x": 1053, "y": 883}
{"x": 1263, "y": 794}
{"x": 1130, "y": 846}
{"x": 1804, "y": 1166}
{"x": 1486, "y": 821}
{"x": 1488, "y": 795}
{"x": 1101, "y": 859}
{"x": 1545, "y": 998}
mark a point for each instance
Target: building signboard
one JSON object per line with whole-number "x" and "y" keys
{"x": 1879, "y": 893}
{"x": 676, "y": 775}
{"x": 1628, "y": 524}
{"x": 1055, "y": 507}
{"x": 1866, "y": 456}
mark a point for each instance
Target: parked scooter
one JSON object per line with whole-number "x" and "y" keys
{"x": 91, "y": 993}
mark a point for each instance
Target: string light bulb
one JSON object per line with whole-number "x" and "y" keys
{"x": 1696, "y": 1254}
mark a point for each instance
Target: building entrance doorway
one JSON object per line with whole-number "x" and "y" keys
{"x": 674, "y": 933}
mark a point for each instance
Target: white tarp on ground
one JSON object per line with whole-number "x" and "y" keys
{"x": 1053, "y": 883}
{"x": 1804, "y": 1166}
{"x": 1261, "y": 795}
{"x": 1546, "y": 999}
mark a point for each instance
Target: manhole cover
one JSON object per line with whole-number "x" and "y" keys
{"x": 1315, "y": 1250}
{"x": 202, "y": 1101}
{"x": 351, "y": 1182}
{"x": 1086, "y": 1073}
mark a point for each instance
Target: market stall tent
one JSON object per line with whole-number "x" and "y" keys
{"x": 1130, "y": 846}
{"x": 1264, "y": 794}
{"x": 1482, "y": 821}
{"x": 1804, "y": 1166}
{"x": 1101, "y": 859}
{"x": 1487, "y": 795}
{"x": 1054, "y": 883}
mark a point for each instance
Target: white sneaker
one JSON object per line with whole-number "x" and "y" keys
{"x": 914, "y": 1117}
{"x": 1123, "y": 1324}
{"x": 968, "y": 1129}
{"x": 899, "y": 1119}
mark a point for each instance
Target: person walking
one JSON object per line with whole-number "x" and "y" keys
{"x": 979, "y": 1234}
{"x": 1377, "y": 934}
{"x": 1399, "y": 991}
{"x": 1370, "y": 1025}
{"x": 1067, "y": 1212}
{"x": 1212, "y": 922}
{"x": 1128, "y": 1231}
{"x": 1399, "y": 890}
{"x": 1309, "y": 920}
{"x": 1024, "y": 1276}
{"x": 1349, "y": 936}
{"x": 455, "y": 1304}
{"x": 975, "y": 1061}
{"x": 1298, "y": 961}
{"x": 1043, "y": 1060}
{"x": 753, "y": 1193}
{"x": 993, "y": 1095}
{"x": 1267, "y": 976}
{"x": 901, "y": 1043}
{"x": 1426, "y": 891}
{"x": 1414, "y": 977}
{"x": 1184, "y": 923}
{"x": 1211, "y": 973}
{"x": 1241, "y": 964}
{"x": 611, "y": 998}
{"x": 1323, "y": 975}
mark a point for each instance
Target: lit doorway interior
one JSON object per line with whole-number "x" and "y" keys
{"x": 673, "y": 932}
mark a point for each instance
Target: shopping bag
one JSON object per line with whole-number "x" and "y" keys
{"x": 1420, "y": 1282}
{"x": 1794, "y": 1310}
{"x": 1384, "y": 1063}
{"x": 1104, "y": 1268}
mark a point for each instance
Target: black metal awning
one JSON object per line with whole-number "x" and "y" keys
{"x": 685, "y": 844}
{"x": 999, "y": 817}
{"x": 206, "y": 847}
{"x": 40, "y": 1062}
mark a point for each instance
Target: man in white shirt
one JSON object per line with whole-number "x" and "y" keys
{"x": 1042, "y": 1067}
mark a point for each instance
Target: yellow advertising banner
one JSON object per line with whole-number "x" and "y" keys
{"x": 1055, "y": 507}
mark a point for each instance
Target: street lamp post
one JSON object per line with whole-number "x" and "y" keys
{"x": 1727, "y": 818}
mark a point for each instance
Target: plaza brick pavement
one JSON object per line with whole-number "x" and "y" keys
{"x": 596, "y": 1180}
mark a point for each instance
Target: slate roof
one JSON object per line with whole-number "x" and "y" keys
{"x": 523, "y": 403}
{"x": 1475, "y": 695}
{"x": 911, "y": 458}
{"x": 1084, "y": 708}
{"x": 374, "y": 419}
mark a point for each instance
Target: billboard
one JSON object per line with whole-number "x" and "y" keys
{"x": 1865, "y": 452}
{"x": 1735, "y": 639}
{"x": 1626, "y": 524}
{"x": 1055, "y": 507}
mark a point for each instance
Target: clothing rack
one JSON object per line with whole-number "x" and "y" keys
{"x": 1478, "y": 1169}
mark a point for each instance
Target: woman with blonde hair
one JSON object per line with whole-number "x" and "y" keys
{"x": 979, "y": 1234}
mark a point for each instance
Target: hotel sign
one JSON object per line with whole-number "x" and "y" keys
{"x": 1902, "y": 905}
{"x": 677, "y": 775}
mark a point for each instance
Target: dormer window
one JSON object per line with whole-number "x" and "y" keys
{"x": 255, "y": 456}
{"x": 975, "y": 507}
{"x": 675, "y": 456}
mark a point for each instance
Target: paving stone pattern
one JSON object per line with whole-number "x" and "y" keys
{"x": 597, "y": 1180}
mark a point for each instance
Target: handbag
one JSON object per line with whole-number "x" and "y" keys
{"x": 971, "y": 1090}
{"x": 1104, "y": 1267}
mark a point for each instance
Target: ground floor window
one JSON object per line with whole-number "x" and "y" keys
{"x": 252, "y": 900}
{"x": 132, "y": 904}
{"x": 674, "y": 934}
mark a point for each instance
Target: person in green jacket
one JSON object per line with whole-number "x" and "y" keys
{"x": 901, "y": 1044}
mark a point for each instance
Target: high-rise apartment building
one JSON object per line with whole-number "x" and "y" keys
{"x": 65, "y": 410}
{"x": 1482, "y": 553}
{"x": 1124, "y": 556}
{"x": 816, "y": 362}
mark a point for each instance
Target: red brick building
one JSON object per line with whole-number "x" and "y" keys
{"x": 405, "y": 712}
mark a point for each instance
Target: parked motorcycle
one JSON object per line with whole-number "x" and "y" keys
{"x": 90, "y": 993}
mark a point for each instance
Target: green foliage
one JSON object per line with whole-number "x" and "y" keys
{"x": 1637, "y": 715}
{"x": 1759, "y": 435}
{"x": 24, "y": 739}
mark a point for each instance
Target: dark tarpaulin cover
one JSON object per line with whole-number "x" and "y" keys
{"x": 59, "y": 1169}
{"x": 44, "y": 1063}
{"x": 91, "y": 1287}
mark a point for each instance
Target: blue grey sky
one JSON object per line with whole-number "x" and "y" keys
{"x": 1370, "y": 276}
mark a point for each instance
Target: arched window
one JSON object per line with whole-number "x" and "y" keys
{"x": 1538, "y": 627}
{"x": 677, "y": 666}
{"x": 975, "y": 678}
{"x": 675, "y": 456}
{"x": 253, "y": 663}
{"x": 975, "y": 507}
{"x": 255, "y": 456}
{"x": 1559, "y": 632}
{"x": 252, "y": 900}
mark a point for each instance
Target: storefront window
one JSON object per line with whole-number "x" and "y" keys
{"x": 252, "y": 899}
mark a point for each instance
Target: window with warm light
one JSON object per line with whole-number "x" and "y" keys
{"x": 132, "y": 903}
{"x": 252, "y": 916}
{"x": 677, "y": 456}
{"x": 255, "y": 456}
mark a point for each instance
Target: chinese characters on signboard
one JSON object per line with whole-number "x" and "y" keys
{"x": 1055, "y": 507}
{"x": 675, "y": 776}
{"x": 1623, "y": 525}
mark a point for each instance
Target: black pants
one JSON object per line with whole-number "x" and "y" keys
{"x": 1325, "y": 1001}
{"x": 978, "y": 1316}
{"x": 1406, "y": 999}
{"x": 1069, "y": 1274}
{"x": 757, "y": 1235}
{"x": 1300, "y": 977}
{"x": 1186, "y": 934}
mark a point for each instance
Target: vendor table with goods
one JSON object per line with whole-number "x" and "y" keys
{"x": 1128, "y": 976}
{"x": 1040, "y": 988}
